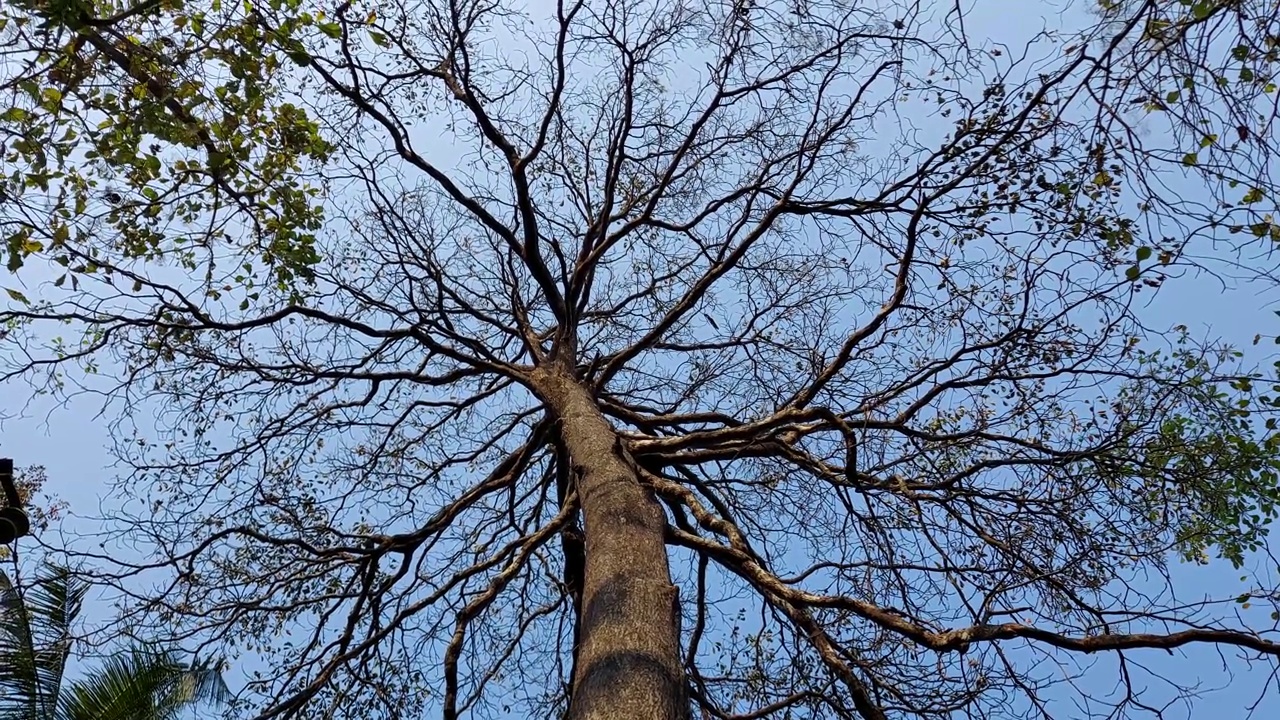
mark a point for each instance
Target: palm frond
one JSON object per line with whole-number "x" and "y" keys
{"x": 35, "y": 640}
{"x": 199, "y": 683}
{"x": 18, "y": 689}
{"x": 142, "y": 684}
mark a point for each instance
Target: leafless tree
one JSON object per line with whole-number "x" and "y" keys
{"x": 674, "y": 358}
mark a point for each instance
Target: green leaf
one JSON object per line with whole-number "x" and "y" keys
{"x": 1190, "y": 159}
{"x": 17, "y": 296}
{"x": 1133, "y": 272}
{"x": 143, "y": 678}
{"x": 1143, "y": 253}
{"x": 36, "y": 642}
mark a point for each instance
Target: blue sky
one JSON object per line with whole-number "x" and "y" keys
{"x": 71, "y": 442}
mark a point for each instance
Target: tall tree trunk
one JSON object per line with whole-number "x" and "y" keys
{"x": 628, "y": 658}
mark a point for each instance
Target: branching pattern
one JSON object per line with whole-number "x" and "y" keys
{"x": 885, "y": 393}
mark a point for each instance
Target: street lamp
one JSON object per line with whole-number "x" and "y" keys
{"x": 13, "y": 520}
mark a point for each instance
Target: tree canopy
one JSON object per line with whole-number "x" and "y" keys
{"x": 627, "y": 359}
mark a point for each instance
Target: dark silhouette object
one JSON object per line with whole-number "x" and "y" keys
{"x": 13, "y": 519}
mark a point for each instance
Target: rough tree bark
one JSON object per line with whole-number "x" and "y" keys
{"x": 628, "y": 656}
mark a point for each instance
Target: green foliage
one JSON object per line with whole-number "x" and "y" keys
{"x": 154, "y": 131}
{"x": 1204, "y": 72}
{"x": 36, "y": 640}
{"x": 1206, "y": 471}
{"x": 1209, "y": 69}
{"x": 141, "y": 684}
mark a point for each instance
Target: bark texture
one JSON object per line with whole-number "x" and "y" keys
{"x": 628, "y": 657}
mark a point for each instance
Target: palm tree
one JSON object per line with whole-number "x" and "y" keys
{"x": 140, "y": 683}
